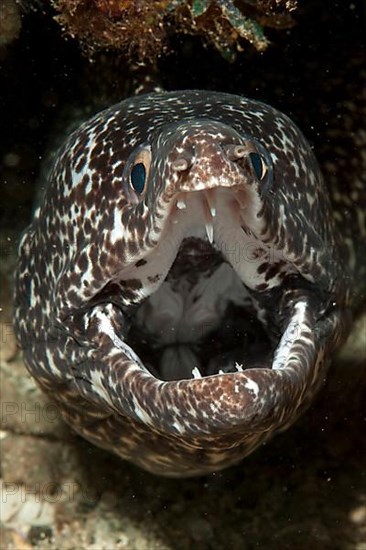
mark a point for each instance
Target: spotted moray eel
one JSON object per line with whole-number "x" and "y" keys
{"x": 184, "y": 283}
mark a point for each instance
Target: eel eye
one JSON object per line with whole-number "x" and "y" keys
{"x": 140, "y": 170}
{"x": 138, "y": 177}
{"x": 259, "y": 166}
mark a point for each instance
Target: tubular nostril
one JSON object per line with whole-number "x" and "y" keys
{"x": 181, "y": 164}
{"x": 235, "y": 152}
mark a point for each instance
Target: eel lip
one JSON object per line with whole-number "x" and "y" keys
{"x": 254, "y": 400}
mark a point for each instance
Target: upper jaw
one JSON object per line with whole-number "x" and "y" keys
{"x": 216, "y": 215}
{"x": 227, "y": 211}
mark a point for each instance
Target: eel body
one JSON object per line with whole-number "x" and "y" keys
{"x": 184, "y": 283}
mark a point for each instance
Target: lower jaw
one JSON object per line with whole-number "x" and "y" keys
{"x": 194, "y": 426}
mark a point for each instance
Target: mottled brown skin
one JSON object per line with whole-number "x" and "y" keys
{"x": 99, "y": 250}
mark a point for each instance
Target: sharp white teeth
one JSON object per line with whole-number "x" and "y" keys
{"x": 181, "y": 205}
{"x": 221, "y": 371}
{"x": 238, "y": 367}
{"x": 211, "y": 201}
{"x": 209, "y": 231}
{"x": 196, "y": 373}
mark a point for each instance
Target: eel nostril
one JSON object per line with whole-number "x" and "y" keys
{"x": 181, "y": 164}
{"x": 235, "y": 152}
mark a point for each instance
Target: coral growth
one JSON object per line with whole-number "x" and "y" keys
{"x": 134, "y": 26}
{"x": 140, "y": 28}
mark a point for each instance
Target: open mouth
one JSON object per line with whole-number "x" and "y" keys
{"x": 202, "y": 316}
{"x": 201, "y": 320}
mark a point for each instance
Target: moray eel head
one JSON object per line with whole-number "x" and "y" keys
{"x": 185, "y": 270}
